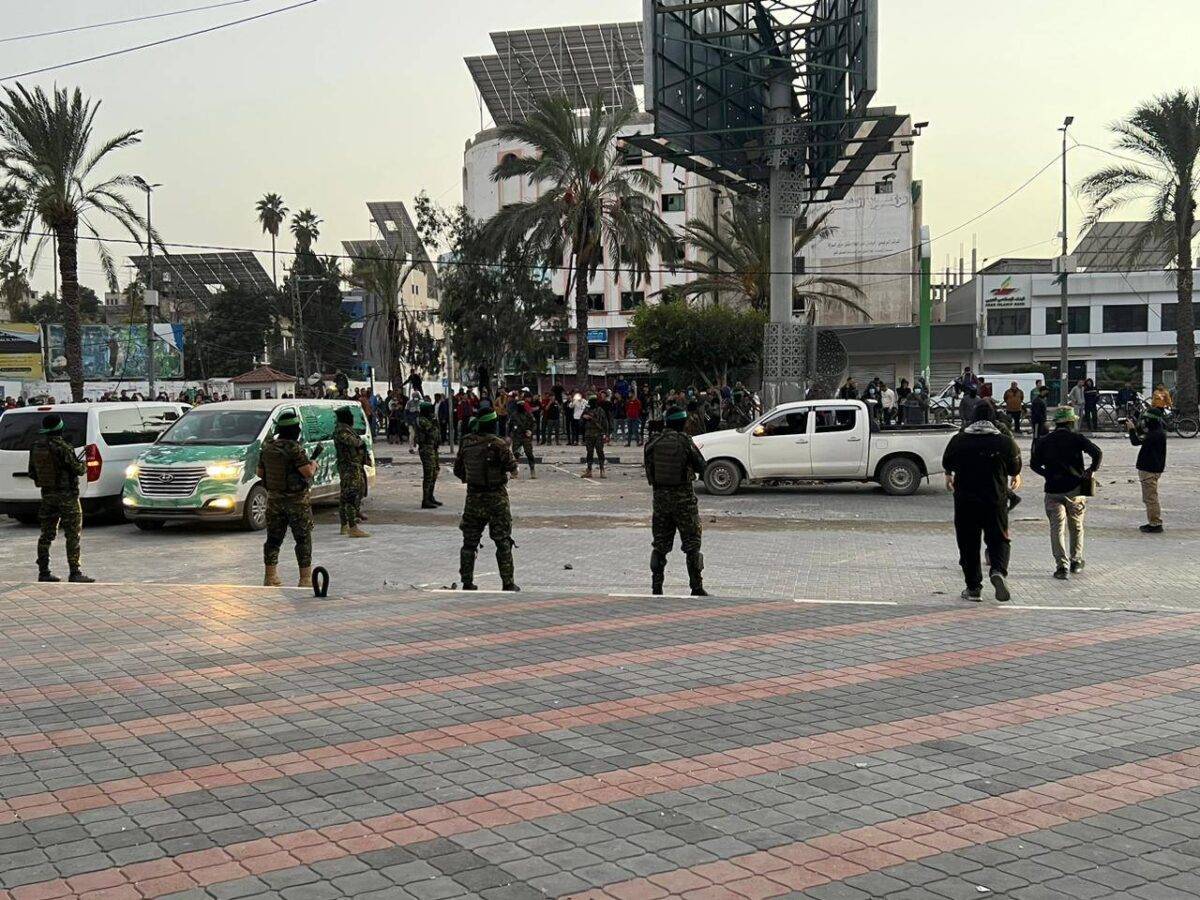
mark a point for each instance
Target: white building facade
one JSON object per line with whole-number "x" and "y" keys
{"x": 1121, "y": 325}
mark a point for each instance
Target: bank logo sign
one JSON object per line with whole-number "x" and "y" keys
{"x": 1007, "y": 291}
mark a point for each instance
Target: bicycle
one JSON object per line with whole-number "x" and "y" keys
{"x": 1186, "y": 427}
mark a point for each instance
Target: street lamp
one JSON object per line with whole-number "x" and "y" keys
{"x": 150, "y": 297}
{"x": 1064, "y": 323}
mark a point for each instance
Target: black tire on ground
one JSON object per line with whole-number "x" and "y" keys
{"x": 722, "y": 477}
{"x": 254, "y": 513}
{"x": 900, "y": 477}
{"x": 1186, "y": 427}
{"x": 148, "y": 524}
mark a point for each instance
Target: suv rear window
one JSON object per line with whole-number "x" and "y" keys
{"x": 19, "y": 430}
{"x": 134, "y": 424}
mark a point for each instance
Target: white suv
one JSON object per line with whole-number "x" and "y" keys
{"x": 109, "y": 436}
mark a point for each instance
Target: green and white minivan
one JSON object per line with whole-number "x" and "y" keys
{"x": 203, "y": 467}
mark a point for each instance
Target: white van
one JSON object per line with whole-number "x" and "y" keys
{"x": 944, "y": 404}
{"x": 109, "y": 437}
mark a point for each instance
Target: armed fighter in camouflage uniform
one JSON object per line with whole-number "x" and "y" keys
{"x": 595, "y": 432}
{"x": 520, "y": 428}
{"x": 428, "y": 438}
{"x": 484, "y": 462}
{"x": 56, "y": 469}
{"x": 351, "y": 457}
{"x": 286, "y": 470}
{"x": 672, "y": 463}
{"x": 739, "y": 411}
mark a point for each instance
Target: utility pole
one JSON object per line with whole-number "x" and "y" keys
{"x": 1064, "y": 324}
{"x": 150, "y": 296}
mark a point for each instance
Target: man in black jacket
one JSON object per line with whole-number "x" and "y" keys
{"x": 1058, "y": 457}
{"x": 1151, "y": 462}
{"x": 981, "y": 464}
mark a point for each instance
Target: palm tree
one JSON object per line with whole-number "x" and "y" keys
{"x": 382, "y": 273}
{"x": 734, "y": 260}
{"x": 306, "y": 226}
{"x": 591, "y": 207}
{"x": 1164, "y": 136}
{"x": 271, "y": 214}
{"x": 14, "y": 288}
{"x": 50, "y": 162}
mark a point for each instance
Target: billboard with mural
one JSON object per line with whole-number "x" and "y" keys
{"x": 20, "y": 351}
{"x": 113, "y": 352}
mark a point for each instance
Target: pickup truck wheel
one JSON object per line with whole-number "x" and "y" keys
{"x": 722, "y": 478}
{"x": 900, "y": 477}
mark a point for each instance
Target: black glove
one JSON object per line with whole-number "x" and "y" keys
{"x": 317, "y": 452}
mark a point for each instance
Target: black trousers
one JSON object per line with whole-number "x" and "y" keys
{"x": 1015, "y": 415}
{"x": 978, "y": 523}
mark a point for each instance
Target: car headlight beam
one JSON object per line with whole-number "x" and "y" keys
{"x": 224, "y": 471}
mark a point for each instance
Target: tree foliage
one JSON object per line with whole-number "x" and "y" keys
{"x": 239, "y": 325}
{"x": 494, "y": 302}
{"x": 708, "y": 344}
{"x": 322, "y": 333}
{"x": 51, "y": 169}
{"x": 1163, "y": 135}
{"x": 591, "y": 208}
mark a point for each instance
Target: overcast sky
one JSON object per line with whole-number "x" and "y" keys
{"x": 344, "y": 101}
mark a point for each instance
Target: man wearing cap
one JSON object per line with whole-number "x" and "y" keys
{"x": 1151, "y": 463}
{"x": 594, "y": 422}
{"x": 56, "y": 469}
{"x": 351, "y": 457}
{"x": 484, "y": 463}
{"x": 428, "y": 438}
{"x": 520, "y": 429}
{"x": 672, "y": 463}
{"x": 286, "y": 471}
{"x": 1058, "y": 457}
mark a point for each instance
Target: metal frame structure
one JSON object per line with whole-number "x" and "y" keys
{"x": 196, "y": 277}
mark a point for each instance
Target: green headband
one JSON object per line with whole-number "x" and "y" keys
{"x": 676, "y": 415}
{"x": 489, "y": 416}
{"x": 1066, "y": 414}
{"x": 288, "y": 418}
{"x": 54, "y": 429}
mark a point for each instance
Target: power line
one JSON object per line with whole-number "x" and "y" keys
{"x": 76, "y": 28}
{"x": 158, "y": 43}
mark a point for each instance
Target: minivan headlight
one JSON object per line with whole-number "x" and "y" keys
{"x": 224, "y": 471}
{"x": 131, "y": 471}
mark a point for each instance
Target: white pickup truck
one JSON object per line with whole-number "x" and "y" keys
{"x": 823, "y": 440}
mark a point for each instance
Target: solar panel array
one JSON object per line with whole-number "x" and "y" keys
{"x": 396, "y": 225}
{"x": 1117, "y": 246}
{"x": 198, "y": 276}
{"x": 578, "y": 61}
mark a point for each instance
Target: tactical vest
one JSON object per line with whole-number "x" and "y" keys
{"x": 480, "y": 462}
{"x": 669, "y": 457}
{"x": 48, "y": 473}
{"x": 279, "y": 474}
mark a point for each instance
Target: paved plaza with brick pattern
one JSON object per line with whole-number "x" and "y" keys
{"x": 833, "y": 723}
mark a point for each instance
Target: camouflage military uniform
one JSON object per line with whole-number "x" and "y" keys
{"x": 695, "y": 424}
{"x": 738, "y": 413}
{"x": 521, "y": 426}
{"x": 56, "y": 470}
{"x": 428, "y": 438}
{"x": 288, "y": 504}
{"x": 672, "y": 463}
{"x": 595, "y": 429}
{"x": 484, "y": 462}
{"x": 351, "y": 457}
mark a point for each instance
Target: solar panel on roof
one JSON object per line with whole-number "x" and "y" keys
{"x": 577, "y": 61}
{"x": 1117, "y": 246}
{"x": 194, "y": 276}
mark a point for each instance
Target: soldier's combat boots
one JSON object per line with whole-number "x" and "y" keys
{"x": 47, "y": 575}
{"x": 305, "y": 579}
{"x": 695, "y": 567}
{"x": 504, "y": 562}
{"x": 77, "y": 577}
{"x": 271, "y": 577}
{"x": 658, "y": 566}
{"x": 355, "y": 532}
{"x": 345, "y": 529}
{"x": 602, "y": 475}
{"x": 466, "y": 568}
{"x": 588, "y": 473}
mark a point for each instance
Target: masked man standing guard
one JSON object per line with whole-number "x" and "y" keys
{"x": 484, "y": 463}
{"x": 428, "y": 438}
{"x": 286, "y": 471}
{"x": 672, "y": 463}
{"x": 56, "y": 469}
{"x": 351, "y": 457}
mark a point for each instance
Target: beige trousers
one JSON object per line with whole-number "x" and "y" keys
{"x": 1065, "y": 512}
{"x": 1150, "y": 496}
